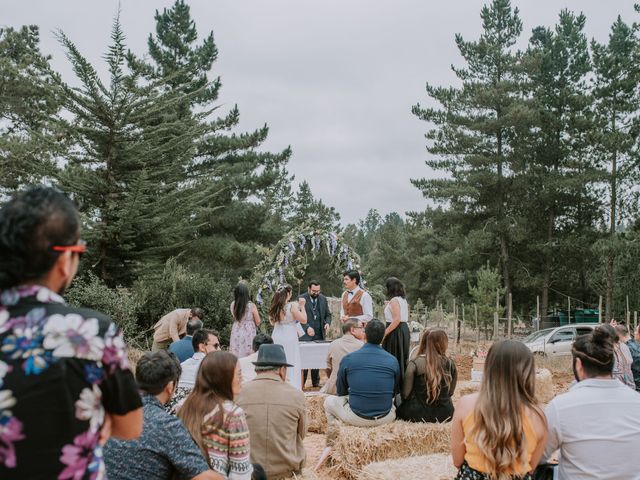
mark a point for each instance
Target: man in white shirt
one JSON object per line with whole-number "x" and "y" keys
{"x": 356, "y": 302}
{"x": 204, "y": 341}
{"x": 246, "y": 363}
{"x": 596, "y": 424}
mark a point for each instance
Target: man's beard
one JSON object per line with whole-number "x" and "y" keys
{"x": 314, "y": 295}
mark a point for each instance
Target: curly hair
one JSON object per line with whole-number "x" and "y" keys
{"x": 30, "y": 224}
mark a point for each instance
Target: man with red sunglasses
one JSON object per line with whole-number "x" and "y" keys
{"x": 65, "y": 384}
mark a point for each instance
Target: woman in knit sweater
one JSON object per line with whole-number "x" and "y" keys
{"x": 217, "y": 424}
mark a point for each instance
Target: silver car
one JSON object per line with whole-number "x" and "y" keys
{"x": 557, "y": 341}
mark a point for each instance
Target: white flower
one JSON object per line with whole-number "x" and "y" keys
{"x": 4, "y": 315}
{"x": 89, "y": 407}
{"x": 4, "y": 368}
{"x": 7, "y": 400}
{"x": 73, "y": 336}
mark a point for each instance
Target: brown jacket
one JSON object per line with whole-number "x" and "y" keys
{"x": 172, "y": 325}
{"x": 277, "y": 422}
{"x": 337, "y": 350}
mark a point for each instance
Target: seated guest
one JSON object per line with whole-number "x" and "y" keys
{"x": 500, "y": 431}
{"x": 622, "y": 357}
{"x": 246, "y": 363}
{"x": 165, "y": 449}
{"x": 216, "y": 424}
{"x": 634, "y": 348}
{"x": 596, "y": 424}
{"x": 429, "y": 383}
{"x": 351, "y": 340}
{"x": 275, "y": 412}
{"x": 173, "y": 326}
{"x": 204, "y": 341}
{"x": 366, "y": 383}
{"x": 183, "y": 348}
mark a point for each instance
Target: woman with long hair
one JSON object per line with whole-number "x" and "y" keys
{"x": 397, "y": 337}
{"x": 500, "y": 432}
{"x": 284, "y": 316}
{"x": 245, "y": 321}
{"x": 429, "y": 382}
{"x": 622, "y": 355}
{"x": 218, "y": 425}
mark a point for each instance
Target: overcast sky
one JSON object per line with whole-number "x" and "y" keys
{"x": 335, "y": 80}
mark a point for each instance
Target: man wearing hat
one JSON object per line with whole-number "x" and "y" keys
{"x": 275, "y": 412}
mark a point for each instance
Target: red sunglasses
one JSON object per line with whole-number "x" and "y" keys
{"x": 79, "y": 248}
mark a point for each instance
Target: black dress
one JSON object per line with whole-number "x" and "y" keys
{"x": 415, "y": 407}
{"x": 397, "y": 343}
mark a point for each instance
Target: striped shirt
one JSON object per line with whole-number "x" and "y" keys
{"x": 227, "y": 443}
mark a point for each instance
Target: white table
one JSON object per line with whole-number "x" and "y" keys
{"x": 314, "y": 354}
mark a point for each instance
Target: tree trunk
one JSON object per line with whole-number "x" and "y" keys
{"x": 609, "y": 310}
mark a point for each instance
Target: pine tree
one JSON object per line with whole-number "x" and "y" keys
{"x": 559, "y": 202}
{"x": 29, "y": 139}
{"x": 616, "y": 104}
{"x": 230, "y": 163}
{"x": 312, "y": 212}
{"x": 474, "y": 131}
{"x": 127, "y": 167}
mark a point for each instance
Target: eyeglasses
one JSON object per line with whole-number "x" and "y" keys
{"x": 79, "y": 248}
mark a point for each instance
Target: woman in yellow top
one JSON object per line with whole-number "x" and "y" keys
{"x": 500, "y": 432}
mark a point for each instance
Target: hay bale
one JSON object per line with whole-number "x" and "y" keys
{"x": 438, "y": 466}
{"x": 356, "y": 447}
{"x": 133, "y": 355}
{"x": 316, "y": 418}
{"x": 464, "y": 388}
{"x": 544, "y": 385}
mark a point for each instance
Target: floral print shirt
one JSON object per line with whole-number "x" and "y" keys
{"x": 164, "y": 451}
{"x": 61, "y": 369}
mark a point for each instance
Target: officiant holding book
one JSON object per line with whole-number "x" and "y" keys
{"x": 318, "y": 323}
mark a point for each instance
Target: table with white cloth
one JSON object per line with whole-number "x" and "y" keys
{"x": 314, "y": 354}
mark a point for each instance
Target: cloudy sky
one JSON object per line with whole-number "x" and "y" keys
{"x": 335, "y": 80}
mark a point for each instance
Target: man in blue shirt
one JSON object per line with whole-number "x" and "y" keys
{"x": 367, "y": 381}
{"x": 165, "y": 449}
{"x": 183, "y": 348}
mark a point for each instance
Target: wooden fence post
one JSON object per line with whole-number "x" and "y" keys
{"x": 509, "y": 316}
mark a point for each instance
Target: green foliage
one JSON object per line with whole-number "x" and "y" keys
{"x": 29, "y": 139}
{"x": 120, "y": 304}
{"x": 483, "y": 293}
{"x": 176, "y": 287}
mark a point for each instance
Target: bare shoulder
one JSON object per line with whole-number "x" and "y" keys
{"x": 538, "y": 420}
{"x": 466, "y": 404}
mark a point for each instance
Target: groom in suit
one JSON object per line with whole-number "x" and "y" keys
{"x": 318, "y": 322}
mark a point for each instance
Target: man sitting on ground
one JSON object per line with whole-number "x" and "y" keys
{"x": 173, "y": 326}
{"x": 276, "y": 416}
{"x": 204, "y": 341}
{"x": 596, "y": 424}
{"x": 351, "y": 340}
{"x": 165, "y": 450}
{"x": 246, "y": 363}
{"x": 183, "y": 348}
{"x": 367, "y": 381}
{"x": 634, "y": 348}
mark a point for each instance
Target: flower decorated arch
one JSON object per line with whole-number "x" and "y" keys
{"x": 287, "y": 261}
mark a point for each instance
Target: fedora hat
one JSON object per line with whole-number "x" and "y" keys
{"x": 271, "y": 355}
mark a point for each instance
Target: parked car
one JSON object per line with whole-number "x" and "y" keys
{"x": 557, "y": 341}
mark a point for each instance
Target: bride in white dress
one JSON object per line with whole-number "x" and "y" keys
{"x": 283, "y": 316}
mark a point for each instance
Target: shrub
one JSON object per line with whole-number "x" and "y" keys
{"x": 178, "y": 288}
{"x": 89, "y": 291}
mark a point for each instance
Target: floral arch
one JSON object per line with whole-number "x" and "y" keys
{"x": 289, "y": 259}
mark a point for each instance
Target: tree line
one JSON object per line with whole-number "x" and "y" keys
{"x": 532, "y": 156}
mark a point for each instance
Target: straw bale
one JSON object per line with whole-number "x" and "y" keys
{"x": 356, "y": 447}
{"x": 465, "y": 388}
{"x": 316, "y": 418}
{"x": 307, "y": 474}
{"x": 544, "y": 385}
{"x": 133, "y": 355}
{"x": 437, "y": 466}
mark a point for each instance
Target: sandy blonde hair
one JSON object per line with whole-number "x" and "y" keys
{"x": 436, "y": 364}
{"x": 506, "y": 392}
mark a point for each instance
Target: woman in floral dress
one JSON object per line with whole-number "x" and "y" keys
{"x": 245, "y": 321}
